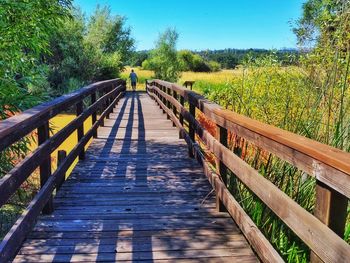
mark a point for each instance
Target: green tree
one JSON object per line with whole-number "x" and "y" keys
{"x": 71, "y": 62}
{"x": 321, "y": 21}
{"x": 190, "y": 61}
{"x": 110, "y": 35}
{"x": 25, "y": 31}
{"x": 163, "y": 59}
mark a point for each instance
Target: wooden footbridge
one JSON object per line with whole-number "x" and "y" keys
{"x": 145, "y": 190}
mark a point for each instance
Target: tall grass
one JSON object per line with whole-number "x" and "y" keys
{"x": 311, "y": 105}
{"x": 312, "y": 100}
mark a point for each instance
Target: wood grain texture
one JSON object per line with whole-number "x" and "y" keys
{"x": 328, "y": 164}
{"x": 316, "y": 235}
{"x": 260, "y": 244}
{"x": 16, "y": 127}
{"x": 136, "y": 197}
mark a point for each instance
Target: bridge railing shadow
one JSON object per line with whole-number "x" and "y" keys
{"x": 132, "y": 168}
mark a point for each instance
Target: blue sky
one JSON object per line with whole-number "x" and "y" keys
{"x": 208, "y": 24}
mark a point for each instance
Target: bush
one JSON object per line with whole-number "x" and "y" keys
{"x": 214, "y": 66}
{"x": 163, "y": 59}
{"x": 194, "y": 62}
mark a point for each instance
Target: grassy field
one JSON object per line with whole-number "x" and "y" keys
{"x": 220, "y": 77}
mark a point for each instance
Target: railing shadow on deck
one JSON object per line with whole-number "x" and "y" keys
{"x": 140, "y": 236}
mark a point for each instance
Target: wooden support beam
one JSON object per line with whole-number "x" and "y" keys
{"x": 330, "y": 209}
{"x": 174, "y": 94}
{"x": 61, "y": 156}
{"x": 45, "y": 167}
{"x": 94, "y": 114}
{"x": 191, "y": 131}
{"x": 221, "y": 169}
{"x": 80, "y": 129}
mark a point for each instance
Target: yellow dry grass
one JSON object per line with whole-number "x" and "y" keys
{"x": 222, "y": 76}
{"x": 56, "y": 124}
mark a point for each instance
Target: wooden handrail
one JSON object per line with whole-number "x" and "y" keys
{"x": 18, "y": 126}
{"x": 330, "y": 166}
{"x": 15, "y": 128}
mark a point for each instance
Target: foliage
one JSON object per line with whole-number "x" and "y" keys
{"x": 70, "y": 60}
{"x": 25, "y": 30}
{"x": 83, "y": 53}
{"x": 312, "y": 100}
{"x": 47, "y": 49}
{"x": 231, "y": 58}
{"x": 320, "y": 21}
{"x": 190, "y": 61}
{"x": 226, "y": 58}
{"x": 137, "y": 57}
{"x": 109, "y": 34}
{"x": 163, "y": 59}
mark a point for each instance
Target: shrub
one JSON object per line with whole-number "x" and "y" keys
{"x": 163, "y": 59}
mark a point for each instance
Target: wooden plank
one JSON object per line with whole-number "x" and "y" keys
{"x": 11, "y": 181}
{"x": 258, "y": 241}
{"x": 94, "y": 114}
{"x": 234, "y": 254}
{"x": 23, "y": 225}
{"x": 153, "y": 208}
{"x": 330, "y": 209}
{"x": 315, "y": 234}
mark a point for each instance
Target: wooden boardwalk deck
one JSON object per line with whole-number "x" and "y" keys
{"x": 136, "y": 197}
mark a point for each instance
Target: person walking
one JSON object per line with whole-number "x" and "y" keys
{"x": 133, "y": 78}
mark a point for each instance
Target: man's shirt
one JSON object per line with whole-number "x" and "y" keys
{"x": 133, "y": 77}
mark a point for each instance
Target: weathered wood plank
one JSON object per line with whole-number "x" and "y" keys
{"x": 136, "y": 198}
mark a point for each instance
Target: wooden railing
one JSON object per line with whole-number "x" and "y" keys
{"x": 101, "y": 97}
{"x": 321, "y": 232}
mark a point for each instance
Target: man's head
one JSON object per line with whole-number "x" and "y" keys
{"x": 132, "y": 70}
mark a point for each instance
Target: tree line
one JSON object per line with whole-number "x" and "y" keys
{"x": 213, "y": 60}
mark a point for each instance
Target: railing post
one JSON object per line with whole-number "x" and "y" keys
{"x": 221, "y": 169}
{"x": 94, "y": 114}
{"x": 80, "y": 129}
{"x": 330, "y": 209}
{"x": 174, "y": 107}
{"x": 107, "y": 103}
{"x": 101, "y": 108}
{"x": 45, "y": 167}
{"x": 110, "y": 101}
{"x": 61, "y": 155}
{"x": 182, "y": 102}
{"x": 167, "y": 102}
{"x": 181, "y": 117}
{"x": 191, "y": 129}
{"x": 163, "y": 98}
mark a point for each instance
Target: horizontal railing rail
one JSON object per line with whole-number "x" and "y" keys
{"x": 321, "y": 232}
{"x": 103, "y": 96}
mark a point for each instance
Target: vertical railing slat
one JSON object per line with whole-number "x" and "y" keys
{"x": 45, "y": 167}
{"x": 80, "y": 129}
